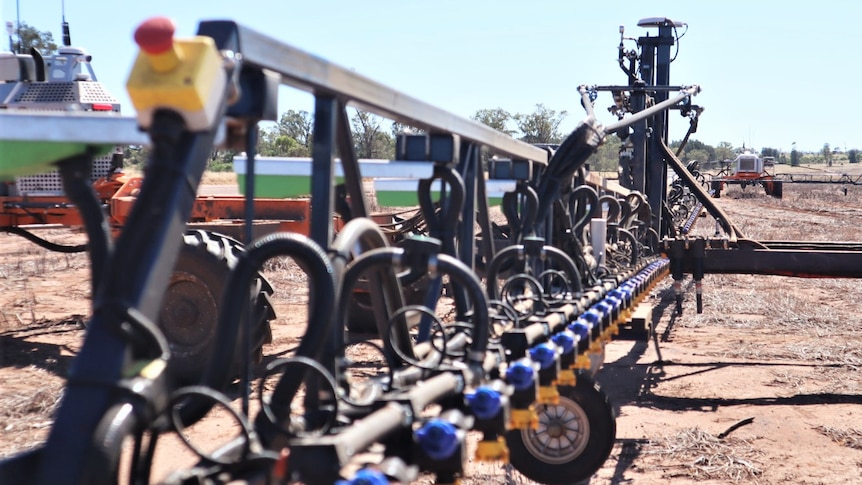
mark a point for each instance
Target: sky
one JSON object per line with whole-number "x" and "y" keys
{"x": 772, "y": 73}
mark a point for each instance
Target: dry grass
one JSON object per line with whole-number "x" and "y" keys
{"x": 850, "y": 437}
{"x": 696, "y": 454}
{"x": 26, "y": 414}
{"x": 219, "y": 178}
{"x": 209, "y": 178}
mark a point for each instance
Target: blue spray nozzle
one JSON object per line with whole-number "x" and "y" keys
{"x": 565, "y": 340}
{"x": 485, "y": 402}
{"x": 438, "y": 438}
{"x": 545, "y": 354}
{"x": 366, "y": 477}
{"x": 520, "y": 375}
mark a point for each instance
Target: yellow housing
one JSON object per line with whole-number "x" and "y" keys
{"x": 186, "y": 87}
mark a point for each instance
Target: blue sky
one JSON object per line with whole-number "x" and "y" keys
{"x": 772, "y": 73}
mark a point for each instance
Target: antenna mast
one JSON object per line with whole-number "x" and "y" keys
{"x": 67, "y": 37}
{"x": 18, "y": 20}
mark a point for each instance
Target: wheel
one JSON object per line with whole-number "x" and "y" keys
{"x": 778, "y": 189}
{"x": 193, "y": 300}
{"x": 360, "y": 311}
{"x": 573, "y": 440}
{"x": 716, "y": 189}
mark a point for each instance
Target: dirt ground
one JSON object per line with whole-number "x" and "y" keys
{"x": 779, "y": 357}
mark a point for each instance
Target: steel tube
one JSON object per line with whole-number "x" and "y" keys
{"x": 311, "y": 73}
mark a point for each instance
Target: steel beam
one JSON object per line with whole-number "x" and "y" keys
{"x": 311, "y": 73}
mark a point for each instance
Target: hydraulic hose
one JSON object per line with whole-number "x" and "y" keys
{"x": 321, "y": 274}
{"x": 553, "y": 253}
{"x": 459, "y": 274}
{"x": 384, "y": 285}
{"x": 75, "y": 174}
{"x": 44, "y": 243}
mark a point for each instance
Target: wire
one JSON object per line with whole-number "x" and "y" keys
{"x": 678, "y": 37}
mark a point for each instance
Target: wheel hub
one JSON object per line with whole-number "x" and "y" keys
{"x": 562, "y": 434}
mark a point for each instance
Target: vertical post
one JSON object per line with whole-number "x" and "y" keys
{"x": 350, "y": 165}
{"x": 467, "y": 163}
{"x": 466, "y": 240}
{"x": 246, "y": 332}
{"x": 698, "y": 247}
{"x": 656, "y": 168}
{"x": 637, "y": 165}
{"x": 322, "y": 169}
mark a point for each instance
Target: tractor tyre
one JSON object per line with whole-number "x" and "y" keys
{"x": 716, "y": 189}
{"x": 573, "y": 440}
{"x": 777, "y": 189}
{"x": 194, "y": 300}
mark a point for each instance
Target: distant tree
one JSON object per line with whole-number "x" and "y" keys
{"x": 607, "y": 157}
{"x": 221, "y": 161}
{"x": 135, "y": 155}
{"x": 298, "y": 125}
{"x": 368, "y": 137}
{"x": 32, "y": 37}
{"x": 827, "y": 154}
{"x": 724, "y": 151}
{"x": 794, "y": 156}
{"x": 274, "y": 144}
{"x": 853, "y": 156}
{"x": 291, "y": 137}
{"x": 540, "y": 126}
{"x": 496, "y": 118}
{"x": 770, "y": 152}
{"x": 698, "y": 154}
{"x": 697, "y": 145}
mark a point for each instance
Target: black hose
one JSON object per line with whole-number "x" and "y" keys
{"x": 75, "y": 174}
{"x": 316, "y": 264}
{"x": 458, "y": 272}
{"x": 572, "y": 154}
{"x": 44, "y": 243}
{"x": 384, "y": 285}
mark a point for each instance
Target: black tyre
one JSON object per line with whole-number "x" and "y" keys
{"x": 574, "y": 438}
{"x": 716, "y": 189}
{"x": 194, "y": 299}
{"x": 778, "y": 189}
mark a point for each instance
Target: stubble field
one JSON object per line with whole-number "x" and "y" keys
{"x": 779, "y": 357}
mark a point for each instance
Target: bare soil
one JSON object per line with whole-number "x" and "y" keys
{"x": 780, "y": 357}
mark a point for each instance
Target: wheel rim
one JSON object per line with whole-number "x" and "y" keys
{"x": 562, "y": 435}
{"x": 188, "y": 313}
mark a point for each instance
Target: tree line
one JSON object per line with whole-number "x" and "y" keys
{"x": 293, "y": 134}
{"x": 374, "y": 137}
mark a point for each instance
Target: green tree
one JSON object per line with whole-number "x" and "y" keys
{"x": 540, "y": 126}
{"x": 607, "y": 157}
{"x": 827, "y": 154}
{"x": 369, "y": 139}
{"x": 496, "y": 118}
{"x": 770, "y": 152}
{"x": 724, "y": 151}
{"x": 29, "y": 36}
{"x": 794, "y": 156}
{"x": 853, "y": 156}
{"x": 291, "y": 137}
{"x": 135, "y": 155}
{"x": 298, "y": 125}
{"x": 221, "y": 160}
{"x": 705, "y": 152}
{"x": 697, "y": 154}
{"x": 274, "y": 144}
